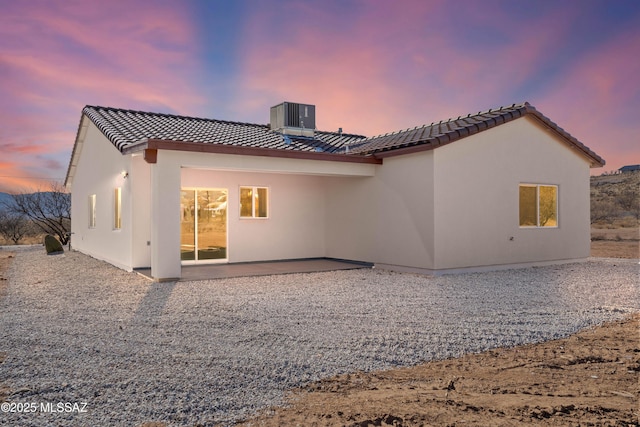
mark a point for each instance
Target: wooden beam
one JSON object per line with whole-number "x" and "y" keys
{"x": 150, "y": 155}
{"x": 199, "y": 147}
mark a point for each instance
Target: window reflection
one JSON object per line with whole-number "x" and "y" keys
{"x": 538, "y": 205}
{"x": 253, "y": 202}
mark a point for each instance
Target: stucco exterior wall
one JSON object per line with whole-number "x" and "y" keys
{"x": 165, "y": 216}
{"x": 350, "y": 218}
{"x": 295, "y": 226}
{"x": 476, "y": 201}
{"x": 295, "y": 229}
{"x": 140, "y": 211}
{"x": 450, "y": 208}
{"x": 99, "y": 172}
{"x": 385, "y": 219}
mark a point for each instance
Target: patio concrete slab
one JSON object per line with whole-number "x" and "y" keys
{"x": 244, "y": 269}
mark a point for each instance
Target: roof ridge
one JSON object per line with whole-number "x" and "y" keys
{"x": 232, "y": 122}
{"x": 175, "y": 116}
{"x": 524, "y": 105}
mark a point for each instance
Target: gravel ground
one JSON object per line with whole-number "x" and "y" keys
{"x": 77, "y": 330}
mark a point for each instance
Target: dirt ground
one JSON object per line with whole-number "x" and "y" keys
{"x": 623, "y": 249}
{"x": 615, "y": 242}
{"x": 589, "y": 379}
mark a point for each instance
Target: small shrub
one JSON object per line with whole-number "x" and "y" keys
{"x": 52, "y": 245}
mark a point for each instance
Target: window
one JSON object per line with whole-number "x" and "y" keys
{"x": 253, "y": 202}
{"x": 92, "y": 211}
{"x": 117, "y": 204}
{"x": 538, "y": 205}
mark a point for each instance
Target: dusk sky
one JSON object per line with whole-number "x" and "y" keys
{"x": 369, "y": 66}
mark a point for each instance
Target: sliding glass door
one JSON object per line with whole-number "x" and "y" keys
{"x": 203, "y": 225}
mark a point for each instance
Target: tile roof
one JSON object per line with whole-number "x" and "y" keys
{"x": 446, "y": 131}
{"x": 126, "y": 127}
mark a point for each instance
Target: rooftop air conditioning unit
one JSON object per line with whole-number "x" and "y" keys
{"x": 290, "y": 118}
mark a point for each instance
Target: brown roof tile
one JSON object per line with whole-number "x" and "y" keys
{"x": 125, "y": 128}
{"x": 437, "y": 134}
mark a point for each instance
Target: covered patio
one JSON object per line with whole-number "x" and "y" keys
{"x": 266, "y": 268}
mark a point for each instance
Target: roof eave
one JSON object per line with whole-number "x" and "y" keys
{"x": 595, "y": 161}
{"x": 200, "y": 147}
{"x": 77, "y": 148}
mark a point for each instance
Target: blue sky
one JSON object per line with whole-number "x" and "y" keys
{"x": 370, "y": 67}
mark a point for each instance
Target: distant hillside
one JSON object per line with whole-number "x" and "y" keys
{"x": 4, "y": 197}
{"x": 616, "y": 198}
{"x": 8, "y": 198}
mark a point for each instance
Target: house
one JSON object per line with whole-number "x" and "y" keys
{"x": 629, "y": 168}
{"x": 503, "y": 187}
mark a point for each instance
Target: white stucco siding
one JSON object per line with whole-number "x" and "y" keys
{"x": 476, "y": 199}
{"x": 294, "y": 229}
{"x": 140, "y": 211}
{"x": 453, "y": 207}
{"x": 233, "y": 162}
{"x": 404, "y": 233}
{"x": 351, "y": 219}
{"x": 99, "y": 171}
{"x": 165, "y": 217}
{"x": 385, "y": 219}
{"x": 295, "y": 226}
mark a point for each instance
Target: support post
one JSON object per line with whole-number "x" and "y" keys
{"x": 165, "y": 218}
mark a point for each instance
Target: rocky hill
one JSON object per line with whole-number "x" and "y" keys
{"x": 615, "y": 199}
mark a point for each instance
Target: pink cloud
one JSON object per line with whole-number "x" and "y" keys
{"x": 598, "y": 99}
{"x": 55, "y": 57}
{"x": 12, "y": 179}
{"x": 140, "y": 55}
{"x": 52, "y": 164}
{"x": 344, "y": 75}
{"x": 390, "y": 67}
{"x": 384, "y": 67}
{"x": 11, "y": 148}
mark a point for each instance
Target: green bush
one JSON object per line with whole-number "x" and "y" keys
{"x": 52, "y": 245}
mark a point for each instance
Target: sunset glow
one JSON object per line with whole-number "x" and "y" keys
{"x": 370, "y": 67}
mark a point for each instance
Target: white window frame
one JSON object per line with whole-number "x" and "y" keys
{"x": 196, "y": 241}
{"x": 254, "y": 189}
{"x": 92, "y": 211}
{"x": 537, "y": 187}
